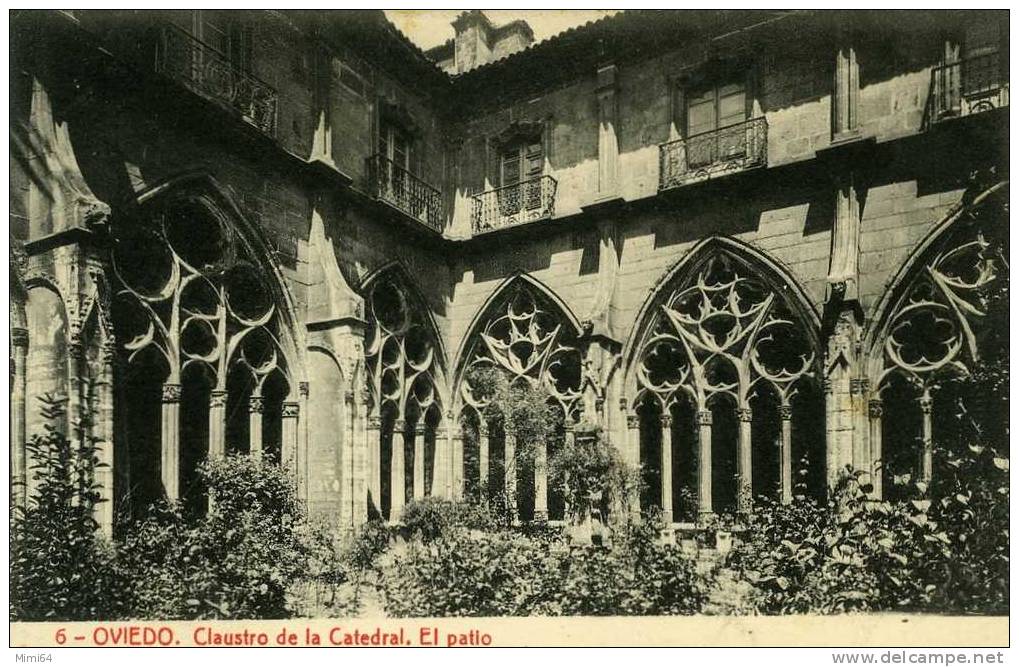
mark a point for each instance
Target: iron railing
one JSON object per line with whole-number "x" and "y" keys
{"x": 967, "y": 87}
{"x": 392, "y": 183}
{"x": 515, "y": 204}
{"x": 210, "y": 73}
{"x": 715, "y": 153}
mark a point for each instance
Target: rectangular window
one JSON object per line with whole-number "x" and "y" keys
{"x": 226, "y": 33}
{"x": 395, "y": 147}
{"x": 709, "y": 111}
{"x": 521, "y": 164}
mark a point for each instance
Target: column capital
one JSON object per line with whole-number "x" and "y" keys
{"x": 876, "y": 408}
{"x": 927, "y": 404}
{"x": 624, "y": 404}
{"x": 483, "y": 429}
{"x": 632, "y": 421}
{"x": 704, "y": 417}
{"x": 859, "y": 386}
{"x": 375, "y": 422}
{"x": 256, "y": 404}
{"x": 666, "y": 421}
{"x": 419, "y": 428}
{"x": 171, "y": 393}
{"x": 399, "y": 425}
{"x": 745, "y": 414}
{"x": 217, "y": 399}
{"x": 302, "y": 389}
{"x": 348, "y": 396}
{"x": 829, "y": 387}
{"x": 786, "y": 412}
{"x": 291, "y": 410}
{"x": 440, "y": 432}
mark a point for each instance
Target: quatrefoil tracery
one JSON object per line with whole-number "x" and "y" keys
{"x": 533, "y": 347}
{"x": 932, "y": 332}
{"x": 723, "y": 333}
{"x": 189, "y": 292}
{"x": 400, "y": 351}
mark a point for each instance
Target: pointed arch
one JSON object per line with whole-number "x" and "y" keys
{"x": 932, "y": 282}
{"x": 761, "y": 266}
{"x": 395, "y": 267}
{"x": 202, "y": 187}
{"x": 519, "y": 280}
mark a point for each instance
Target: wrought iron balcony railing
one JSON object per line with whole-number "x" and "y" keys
{"x": 211, "y": 74}
{"x": 967, "y": 87}
{"x": 515, "y": 204}
{"x": 711, "y": 154}
{"x": 393, "y": 184}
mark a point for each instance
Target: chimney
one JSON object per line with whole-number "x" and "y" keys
{"x": 478, "y": 42}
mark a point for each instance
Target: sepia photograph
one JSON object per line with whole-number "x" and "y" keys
{"x": 518, "y": 321}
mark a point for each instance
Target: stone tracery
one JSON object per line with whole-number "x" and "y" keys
{"x": 194, "y": 312}
{"x": 929, "y": 335}
{"x": 721, "y": 336}
{"x": 404, "y": 371}
{"x": 529, "y": 339}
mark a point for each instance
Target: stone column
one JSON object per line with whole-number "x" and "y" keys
{"x": 510, "y": 469}
{"x": 347, "y": 461}
{"x": 104, "y": 441}
{"x": 419, "y": 459}
{"x": 483, "y": 459}
{"x": 927, "y": 455}
{"x": 256, "y": 405}
{"x": 667, "y": 468}
{"x": 457, "y": 447}
{"x": 288, "y": 448}
{"x": 170, "y": 440}
{"x": 302, "y": 442}
{"x": 875, "y": 411}
{"x": 360, "y": 497}
{"x": 745, "y": 462}
{"x": 786, "y": 452}
{"x": 374, "y": 461}
{"x": 704, "y": 419}
{"x": 633, "y": 456}
{"x": 541, "y": 483}
{"x": 19, "y": 385}
{"x": 859, "y": 389}
{"x": 397, "y": 482}
{"x": 217, "y": 424}
{"x": 441, "y": 464}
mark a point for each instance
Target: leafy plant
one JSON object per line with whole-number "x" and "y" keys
{"x": 61, "y": 567}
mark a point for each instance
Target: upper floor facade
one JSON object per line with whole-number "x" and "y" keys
{"x": 494, "y": 131}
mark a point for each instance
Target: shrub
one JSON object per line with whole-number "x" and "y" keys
{"x": 430, "y": 518}
{"x": 236, "y": 562}
{"x": 61, "y": 567}
{"x": 507, "y": 574}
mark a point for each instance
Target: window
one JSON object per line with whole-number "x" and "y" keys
{"x": 713, "y": 108}
{"x": 394, "y": 149}
{"x": 980, "y": 68}
{"x": 224, "y": 32}
{"x": 521, "y": 164}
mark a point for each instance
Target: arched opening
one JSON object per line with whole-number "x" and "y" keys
{"x": 403, "y": 360}
{"x": 940, "y": 333}
{"x": 193, "y": 299}
{"x": 525, "y": 336}
{"x": 733, "y": 336}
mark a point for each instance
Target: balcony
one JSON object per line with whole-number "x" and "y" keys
{"x": 712, "y": 154}
{"x": 968, "y": 87}
{"x": 405, "y": 191}
{"x": 517, "y": 204}
{"x": 211, "y": 74}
